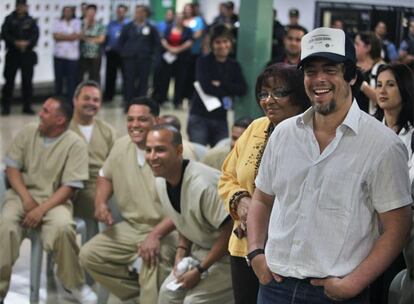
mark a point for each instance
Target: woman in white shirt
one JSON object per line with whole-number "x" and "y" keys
{"x": 66, "y": 32}
{"x": 395, "y": 95}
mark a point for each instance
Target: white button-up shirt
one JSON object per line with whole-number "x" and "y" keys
{"x": 67, "y": 49}
{"x": 406, "y": 136}
{"x": 324, "y": 219}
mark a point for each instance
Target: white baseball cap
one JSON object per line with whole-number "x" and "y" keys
{"x": 329, "y": 43}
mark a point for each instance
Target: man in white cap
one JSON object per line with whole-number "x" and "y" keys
{"x": 328, "y": 180}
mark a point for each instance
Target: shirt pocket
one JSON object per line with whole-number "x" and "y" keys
{"x": 337, "y": 191}
{"x": 332, "y": 216}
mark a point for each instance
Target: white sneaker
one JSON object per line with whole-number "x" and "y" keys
{"x": 84, "y": 295}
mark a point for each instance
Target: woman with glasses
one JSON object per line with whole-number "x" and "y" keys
{"x": 281, "y": 94}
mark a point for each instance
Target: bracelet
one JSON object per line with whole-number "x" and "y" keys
{"x": 234, "y": 202}
{"x": 182, "y": 247}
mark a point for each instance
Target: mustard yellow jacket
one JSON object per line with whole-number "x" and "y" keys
{"x": 239, "y": 171}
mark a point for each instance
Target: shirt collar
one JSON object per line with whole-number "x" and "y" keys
{"x": 305, "y": 118}
{"x": 140, "y": 157}
{"x": 403, "y": 130}
{"x": 351, "y": 120}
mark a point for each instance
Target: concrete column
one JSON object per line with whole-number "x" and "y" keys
{"x": 159, "y": 7}
{"x": 253, "y": 50}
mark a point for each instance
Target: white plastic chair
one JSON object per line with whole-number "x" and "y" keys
{"x": 36, "y": 257}
{"x": 397, "y": 287}
{"x": 86, "y": 228}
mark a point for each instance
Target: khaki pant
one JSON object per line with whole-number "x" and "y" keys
{"x": 108, "y": 255}
{"x": 58, "y": 235}
{"x": 215, "y": 288}
{"x": 84, "y": 201}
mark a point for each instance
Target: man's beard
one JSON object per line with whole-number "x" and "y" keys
{"x": 325, "y": 109}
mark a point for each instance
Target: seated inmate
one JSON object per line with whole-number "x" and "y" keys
{"x": 45, "y": 164}
{"x": 108, "y": 256}
{"x": 99, "y": 136}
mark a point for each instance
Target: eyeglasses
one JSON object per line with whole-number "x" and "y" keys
{"x": 275, "y": 94}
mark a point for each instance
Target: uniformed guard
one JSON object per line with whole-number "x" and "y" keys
{"x": 20, "y": 32}
{"x": 138, "y": 42}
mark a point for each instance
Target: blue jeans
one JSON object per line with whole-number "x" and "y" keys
{"x": 65, "y": 71}
{"x": 294, "y": 291}
{"x": 136, "y": 73}
{"x": 206, "y": 131}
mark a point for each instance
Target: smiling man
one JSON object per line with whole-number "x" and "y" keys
{"x": 108, "y": 256}
{"x": 328, "y": 179}
{"x": 45, "y": 165}
{"x": 188, "y": 194}
{"x": 100, "y": 137}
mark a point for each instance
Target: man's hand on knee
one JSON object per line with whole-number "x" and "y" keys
{"x": 29, "y": 205}
{"x": 149, "y": 250}
{"x": 189, "y": 279}
{"x": 34, "y": 217}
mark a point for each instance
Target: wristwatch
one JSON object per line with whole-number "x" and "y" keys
{"x": 251, "y": 255}
{"x": 200, "y": 269}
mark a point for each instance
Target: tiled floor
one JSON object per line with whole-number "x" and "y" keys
{"x": 51, "y": 292}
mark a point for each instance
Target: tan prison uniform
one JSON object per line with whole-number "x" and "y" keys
{"x": 216, "y": 156}
{"x": 202, "y": 213}
{"x": 44, "y": 169}
{"x": 188, "y": 150}
{"x": 108, "y": 255}
{"x": 99, "y": 146}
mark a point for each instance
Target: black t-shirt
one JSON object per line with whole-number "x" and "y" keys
{"x": 174, "y": 192}
{"x": 361, "y": 98}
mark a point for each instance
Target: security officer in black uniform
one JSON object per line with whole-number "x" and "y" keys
{"x": 20, "y": 32}
{"x": 139, "y": 42}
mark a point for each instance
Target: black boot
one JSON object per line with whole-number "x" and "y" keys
{"x": 5, "y": 110}
{"x": 28, "y": 110}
